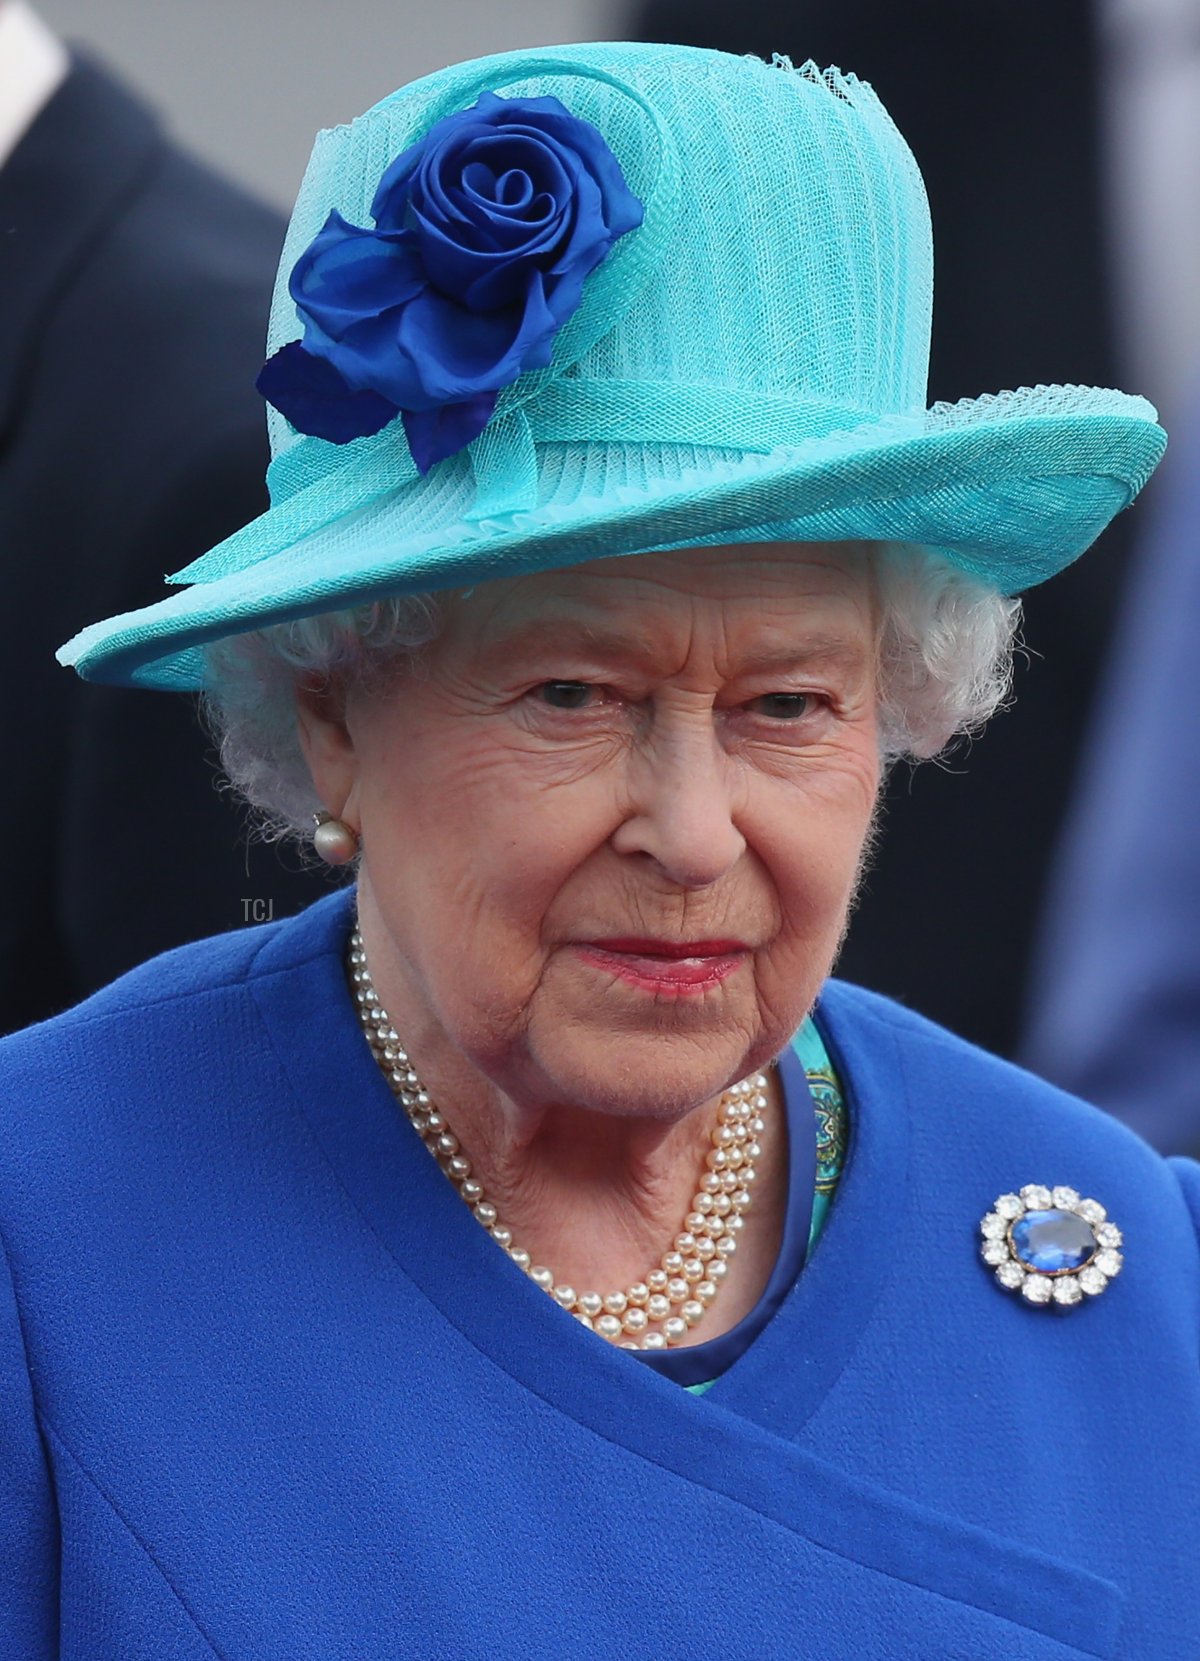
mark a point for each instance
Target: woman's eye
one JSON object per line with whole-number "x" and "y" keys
{"x": 783, "y": 706}
{"x": 566, "y": 694}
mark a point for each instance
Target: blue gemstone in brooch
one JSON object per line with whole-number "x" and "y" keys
{"x": 1051, "y": 1246}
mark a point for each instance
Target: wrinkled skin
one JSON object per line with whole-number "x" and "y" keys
{"x": 678, "y": 746}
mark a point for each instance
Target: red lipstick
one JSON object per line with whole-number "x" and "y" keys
{"x": 673, "y": 967}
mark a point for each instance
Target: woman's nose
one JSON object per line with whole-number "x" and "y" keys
{"x": 682, "y": 806}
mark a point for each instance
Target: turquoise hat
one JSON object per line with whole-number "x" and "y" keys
{"x": 745, "y": 360}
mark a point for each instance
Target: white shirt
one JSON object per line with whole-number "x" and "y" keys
{"x": 33, "y": 63}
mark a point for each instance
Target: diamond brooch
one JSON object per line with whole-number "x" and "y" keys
{"x": 1051, "y": 1246}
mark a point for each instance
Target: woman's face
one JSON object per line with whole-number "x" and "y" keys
{"x": 611, "y": 828}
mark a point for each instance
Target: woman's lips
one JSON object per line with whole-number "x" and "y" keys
{"x": 666, "y": 965}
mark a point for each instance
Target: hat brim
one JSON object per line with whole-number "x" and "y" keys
{"x": 1011, "y": 488}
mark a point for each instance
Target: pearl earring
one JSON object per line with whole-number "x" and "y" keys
{"x": 335, "y": 840}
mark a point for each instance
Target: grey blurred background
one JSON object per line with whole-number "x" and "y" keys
{"x": 247, "y": 83}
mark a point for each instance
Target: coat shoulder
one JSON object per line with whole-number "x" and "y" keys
{"x": 171, "y": 1017}
{"x": 977, "y": 1119}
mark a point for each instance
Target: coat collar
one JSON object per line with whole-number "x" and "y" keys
{"x": 89, "y": 150}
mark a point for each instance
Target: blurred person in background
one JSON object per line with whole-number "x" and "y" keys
{"x": 133, "y": 298}
{"x": 1115, "y": 1008}
{"x": 1019, "y": 115}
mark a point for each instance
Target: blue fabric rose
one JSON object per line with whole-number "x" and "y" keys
{"x": 484, "y": 233}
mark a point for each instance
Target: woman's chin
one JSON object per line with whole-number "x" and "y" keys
{"x": 634, "y": 1074}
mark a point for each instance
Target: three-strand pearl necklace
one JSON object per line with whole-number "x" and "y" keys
{"x": 653, "y": 1313}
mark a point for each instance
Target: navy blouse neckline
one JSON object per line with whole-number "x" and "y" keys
{"x": 700, "y": 1363}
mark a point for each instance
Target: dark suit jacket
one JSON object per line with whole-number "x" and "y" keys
{"x": 134, "y": 287}
{"x": 998, "y": 99}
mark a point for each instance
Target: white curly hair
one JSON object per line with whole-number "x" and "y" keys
{"x": 944, "y": 666}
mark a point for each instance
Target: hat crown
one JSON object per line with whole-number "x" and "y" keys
{"x": 747, "y": 365}
{"x": 786, "y": 250}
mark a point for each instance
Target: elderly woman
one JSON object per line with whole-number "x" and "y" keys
{"x": 611, "y": 560}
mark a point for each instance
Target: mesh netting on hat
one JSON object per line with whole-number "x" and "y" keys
{"x": 749, "y": 365}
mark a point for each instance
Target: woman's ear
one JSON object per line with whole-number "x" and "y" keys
{"x": 327, "y": 744}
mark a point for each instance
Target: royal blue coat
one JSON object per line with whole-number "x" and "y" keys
{"x": 269, "y": 1393}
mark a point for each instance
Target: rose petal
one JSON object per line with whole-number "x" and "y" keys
{"x": 485, "y": 280}
{"x": 316, "y": 400}
{"x": 458, "y": 353}
{"x": 367, "y": 357}
{"x": 390, "y": 200}
{"x": 623, "y": 211}
{"x": 433, "y": 435}
{"x": 524, "y": 152}
{"x": 346, "y": 272}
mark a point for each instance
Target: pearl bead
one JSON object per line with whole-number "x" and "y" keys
{"x": 677, "y": 1292}
{"x": 335, "y": 842}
